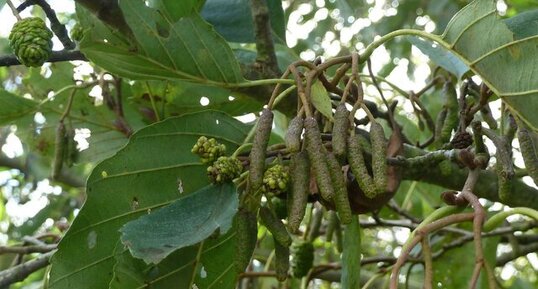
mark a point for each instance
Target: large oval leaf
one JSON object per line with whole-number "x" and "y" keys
{"x": 152, "y": 170}
{"x": 186, "y": 49}
{"x": 207, "y": 265}
{"x": 508, "y": 66}
{"x": 185, "y": 222}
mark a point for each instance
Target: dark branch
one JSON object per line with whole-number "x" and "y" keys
{"x": 521, "y": 196}
{"x": 56, "y": 26}
{"x": 27, "y": 249}
{"x": 56, "y": 56}
{"x": 20, "y": 272}
{"x": 264, "y": 40}
{"x": 523, "y": 250}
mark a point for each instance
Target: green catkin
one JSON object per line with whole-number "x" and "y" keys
{"x": 293, "y": 135}
{"x": 379, "y": 157}
{"x": 257, "y": 156}
{"x": 340, "y": 131}
{"x": 452, "y": 114}
{"x": 71, "y": 151}
{"x": 282, "y": 261}
{"x": 302, "y": 258}
{"x": 439, "y": 123}
{"x": 246, "y": 228}
{"x": 59, "y": 150}
{"x": 341, "y": 200}
{"x": 528, "y": 151}
{"x": 504, "y": 184}
{"x": 332, "y": 220}
{"x": 317, "y": 158}
{"x": 298, "y": 196}
{"x": 275, "y": 226}
{"x": 358, "y": 167}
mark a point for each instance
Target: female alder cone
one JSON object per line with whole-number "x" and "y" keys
{"x": 276, "y": 180}
{"x": 225, "y": 169}
{"x": 209, "y": 150}
{"x": 31, "y": 41}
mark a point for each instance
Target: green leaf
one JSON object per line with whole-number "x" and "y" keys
{"x": 187, "y": 49}
{"x": 154, "y": 169}
{"x": 524, "y": 24}
{"x": 233, "y": 19}
{"x": 321, "y": 100}
{"x": 14, "y": 107}
{"x": 460, "y": 262}
{"x": 351, "y": 257}
{"x": 207, "y": 265}
{"x": 173, "y": 10}
{"x": 442, "y": 57}
{"x": 509, "y": 67}
{"x": 182, "y": 97}
{"x": 183, "y": 223}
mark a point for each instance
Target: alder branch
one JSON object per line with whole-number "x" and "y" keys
{"x": 20, "y": 272}
{"x": 522, "y": 251}
{"x": 27, "y": 249}
{"x": 55, "y": 25}
{"x": 265, "y": 47}
{"x": 56, "y": 56}
{"x": 486, "y": 187}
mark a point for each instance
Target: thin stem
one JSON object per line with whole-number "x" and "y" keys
{"x": 277, "y": 89}
{"x": 281, "y": 96}
{"x": 301, "y": 90}
{"x": 69, "y": 105}
{"x": 14, "y": 10}
{"x": 428, "y": 263}
{"x": 478, "y": 221}
{"x": 419, "y": 234}
{"x": 241, "y": 148}
{"x": 152, "y": 100}
{"x": 370, "y": 49}
{"x": 259, "y": 82}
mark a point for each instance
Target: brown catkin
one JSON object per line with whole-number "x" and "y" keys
{"x": 293, "y": 135}
{"x": 452, "y": 114}
{"x": 341, "y": 200}
{"x": 59, "y": 150}
{"x": 317, "y": 158}
{"x": 379, "y": 157}
{"x": 298, "y": 196}
{"x": 528, "y": 151}
{"x": 275, "y": 226}
{"x": 504, "y": 184}
{"x": 257, "y": 157}
{"x": 340, "y": 131}
{"x": 246, "y": 228}
{"x": 358, "y": 167}
{"x": 282, "y": 261}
